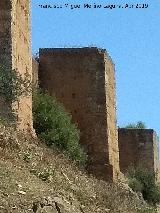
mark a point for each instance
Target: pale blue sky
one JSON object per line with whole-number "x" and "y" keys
{"x": 132, "y": 38}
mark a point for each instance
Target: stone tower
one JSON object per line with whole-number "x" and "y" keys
{"x": 15, "y": 50}
{"x": 83, "y": 80}
{"x": 139, "y": 148}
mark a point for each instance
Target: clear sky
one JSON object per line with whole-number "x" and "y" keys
{"x": 132, "y": 38}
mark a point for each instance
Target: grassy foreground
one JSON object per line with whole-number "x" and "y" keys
{"x": 35, "y": 178}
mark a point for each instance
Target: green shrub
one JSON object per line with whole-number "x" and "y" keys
{"x": 138, "y": 125}
{"x": 142, "y": 180}
{"x": 135, "y": 184}
{"x": 3, "y": 121}
{"x": 53, "y": 124}
{"x": 12, "y": 86}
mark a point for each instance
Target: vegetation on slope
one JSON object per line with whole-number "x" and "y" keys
{"x": 143, "y": 181}
{"x": 54, "y": 125}
{"x": 35, "y": 177}
{"x": 12, "y": 86}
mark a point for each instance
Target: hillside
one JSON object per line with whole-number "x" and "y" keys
{"x": 35, "y": 178}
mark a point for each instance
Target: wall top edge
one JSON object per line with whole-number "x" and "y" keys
{"x": 72, "y": 50}
{"x": 136, "y": 130}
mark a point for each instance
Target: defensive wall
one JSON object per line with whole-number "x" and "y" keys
{"x": 35, "y": 70}
{"x": 138, "y": 148}
{"x": 15, "y": 52}
{"x": 83, "y": 80}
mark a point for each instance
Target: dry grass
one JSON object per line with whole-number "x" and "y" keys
{"x": 30, "y": 172}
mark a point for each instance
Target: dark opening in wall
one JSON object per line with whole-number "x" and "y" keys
{"x": 73, "y": 95}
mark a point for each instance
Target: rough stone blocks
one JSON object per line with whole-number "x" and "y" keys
{"x": 35, "y": 69}
{"x": 138, "y": 148}
{"x": 15, "y": 50}
{"x": 83, "y": 80}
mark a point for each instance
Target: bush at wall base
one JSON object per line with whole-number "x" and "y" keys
{"x": 13, "y": 86}
{"x": 54, "y": 125}
{"x": 143, "y": 181}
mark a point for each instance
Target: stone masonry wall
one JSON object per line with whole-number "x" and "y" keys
{"x": 110, "y": 91}
{"x": 83, "y": 80}
{"x": 15, "y": 23}
{"x": 5, "y": 45}
{"x": 138, "y": 147}
{"x": 5, "y": 32}
{"x": 35, "y": 67}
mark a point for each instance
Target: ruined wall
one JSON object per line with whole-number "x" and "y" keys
{"x": 83, "y": 80}
{"x": 15, "y": 23}
{"x": 138, "y": 147}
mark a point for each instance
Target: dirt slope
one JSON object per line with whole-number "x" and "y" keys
{"x": 35, "y": 178}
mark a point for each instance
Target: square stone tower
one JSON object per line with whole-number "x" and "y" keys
{"x": 139, "y": 148}
{"x": 83, "y": 80}
{"x": 15, "y": 51}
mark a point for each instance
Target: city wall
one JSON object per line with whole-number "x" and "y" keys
{"x": 15, "y": 51}
{"x": 138, "y": 148}
{"x": 83, "y": 80}
{"x": 35, "y": 70}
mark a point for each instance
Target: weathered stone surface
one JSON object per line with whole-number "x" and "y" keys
{"x": 138, "y": 147}
{"x": 15, "y": 49}
{"x": 83, "y": 80}
{"x": 35, "y": 67}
